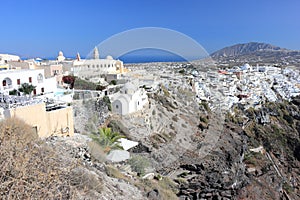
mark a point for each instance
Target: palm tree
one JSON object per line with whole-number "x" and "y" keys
{"x": 26, "y": 88}
{"x": 107, "y": 139}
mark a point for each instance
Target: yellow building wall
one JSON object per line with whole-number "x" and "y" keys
{"x": 60, "y": 121}
{"x": 57, "y": 122}
{"x": 34, "y": 115}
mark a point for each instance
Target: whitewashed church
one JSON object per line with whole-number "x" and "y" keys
{"x": 88, "y": 68}
{"x": 130, "y": 99}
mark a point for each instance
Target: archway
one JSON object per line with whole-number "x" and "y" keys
{"x": 7, "y": 83}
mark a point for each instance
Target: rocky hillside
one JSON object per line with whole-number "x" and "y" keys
{"x": 272, "y": 158}
{"x": 198, "y": 154}
{"x": 255, "y": 52}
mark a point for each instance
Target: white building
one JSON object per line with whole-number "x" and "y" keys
{"x": 89, "y": 68}
{"x": 13, "y": 79}
{"x": 130, "y": 99}
{"x": 5, "y": 58}
{"x": 60, "y": 57}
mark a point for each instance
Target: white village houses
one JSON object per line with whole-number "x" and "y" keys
{"x": 13, "y": 79}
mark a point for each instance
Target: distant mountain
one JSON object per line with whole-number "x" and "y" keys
{"x": 247, "y": 48}
{"x": 254, "y": 52}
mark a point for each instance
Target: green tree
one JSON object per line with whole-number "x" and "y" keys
{"x": 107, "y": 139}
{"x": 106, "y": 100}
{"x": 113, "y": 82}
{"x": 27, "y": 88}
{"x": 13, "y": 92}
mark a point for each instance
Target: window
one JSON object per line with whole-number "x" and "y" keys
{"x": 30, "y": 79}
{"x": 34, "y": 92}
{"x": 55, "y": 72}
{"x": 117, "y": 106}
{"x": 35, "y": 129}
{"x": 4, "y": 83}
{"x": 40, "y": 78}
{"x": 42, "y": 90}
{"x": 97, "y": 66}
{"x": 18, "y": 81}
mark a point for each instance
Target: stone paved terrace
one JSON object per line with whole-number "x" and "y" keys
{"x": 10, "y": 101}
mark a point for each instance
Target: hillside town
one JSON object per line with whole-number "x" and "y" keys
{"x": 150, "y": 103}
{"x": 249, "y": 86}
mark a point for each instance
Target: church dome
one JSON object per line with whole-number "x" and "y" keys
{"x": 60, "y": 56}
{"x": 109, "y": 57}
{"x": 247, "y": 66}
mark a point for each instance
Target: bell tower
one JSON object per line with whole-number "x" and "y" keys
{"x": 78, "y": 57}
{"x": 96, "y": 53}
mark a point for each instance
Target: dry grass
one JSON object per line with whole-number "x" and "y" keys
{"x": 30, "y": 169}
{"x": 166, "y": 187}
{"x": 97, "y": 151}
{"x": 114, "y": 172}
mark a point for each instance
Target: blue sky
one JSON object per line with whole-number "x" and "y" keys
{"x": 38, "y": 28}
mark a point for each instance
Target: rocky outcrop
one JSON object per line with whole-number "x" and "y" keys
{"x": 89, "y": 114}
{"x": 220, "y": 174}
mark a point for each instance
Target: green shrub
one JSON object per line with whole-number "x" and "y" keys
{"x": 288, "y": 188}
{"x": 204, "y": 119}
{"x": 13, "y": 92}
{"x": 288, "y": 118}
{"x": 113, "y": 82}
{"x": 106, "y": 100}
{"x": 182, "y": 71}
{"x": 84, "y": 84}
{"x": 138, "y": 164}
{"x": 205, "y": 106}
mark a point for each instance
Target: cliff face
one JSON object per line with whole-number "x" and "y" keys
{"x": 211, "y": 155}
{"x": 278, "y": 167}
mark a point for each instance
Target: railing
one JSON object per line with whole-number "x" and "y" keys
{"x": 8, "y": 101}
